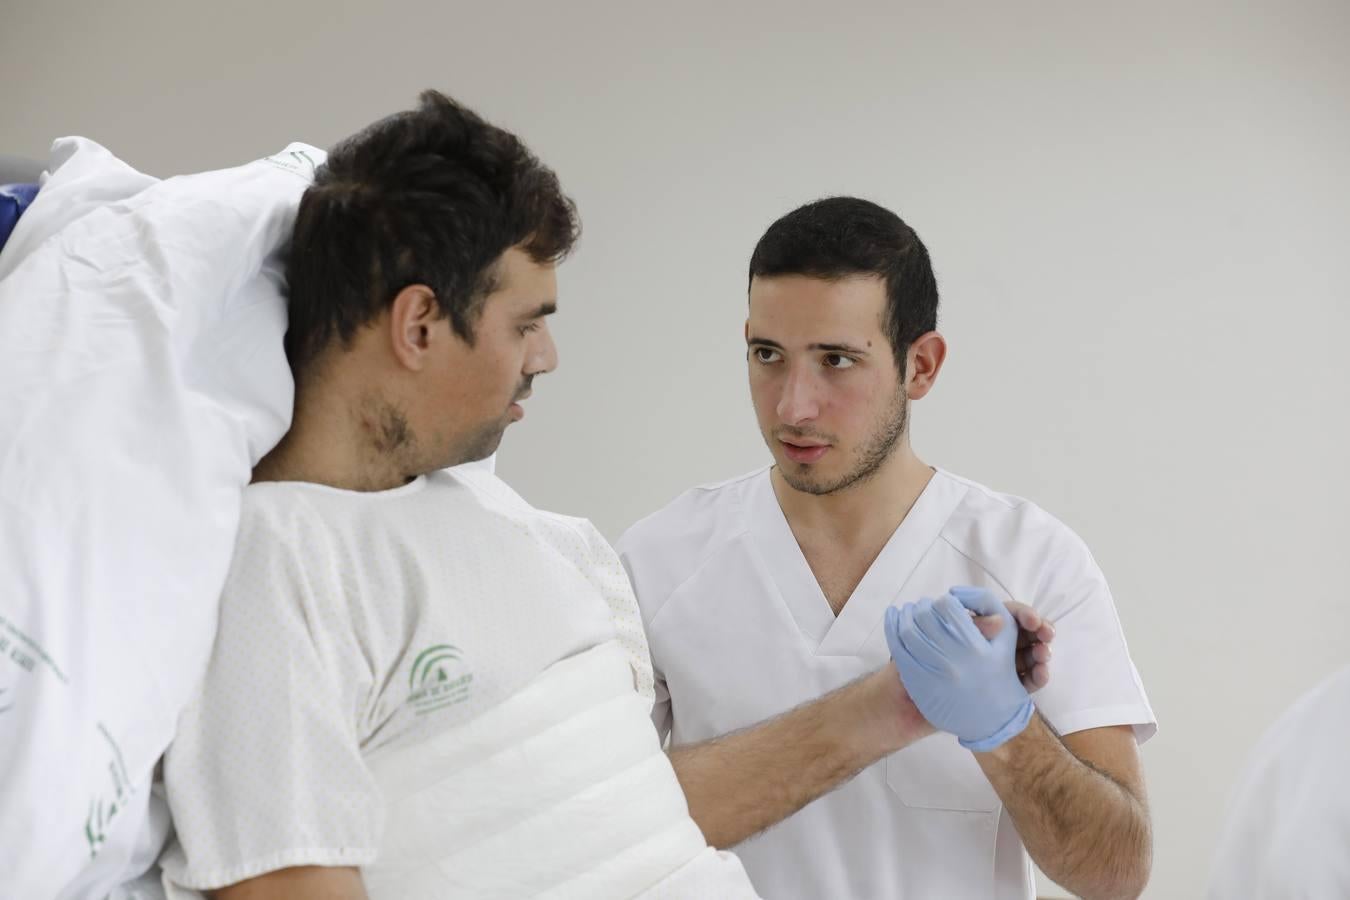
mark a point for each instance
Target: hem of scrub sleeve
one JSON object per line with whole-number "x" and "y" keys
{"x": 283, "y": 859}
{"x": 1136, "y": 715}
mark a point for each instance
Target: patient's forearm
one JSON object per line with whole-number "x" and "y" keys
{"x": 299, "y": 883}
{"x": 742, "y": 783}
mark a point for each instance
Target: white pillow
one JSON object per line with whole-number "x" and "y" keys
{"x": 141, "y": 377}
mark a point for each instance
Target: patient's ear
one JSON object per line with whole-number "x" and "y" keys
{"x": 412, "y": 316}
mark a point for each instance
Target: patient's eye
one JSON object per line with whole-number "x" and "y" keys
{"x": 839, "y": 361}
{"x": 527, "y": 328}
{"x": 765, "y": 354}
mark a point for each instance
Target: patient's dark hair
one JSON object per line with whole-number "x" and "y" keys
{"x": 840, "y": 237}
{"x": 431, "y": 196}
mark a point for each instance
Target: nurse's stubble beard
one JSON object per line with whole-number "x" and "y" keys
{"x": 875, "y": 450}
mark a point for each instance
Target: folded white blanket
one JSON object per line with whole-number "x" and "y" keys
{"x": 561, "y": 792}
{"x": 141, "y": 377}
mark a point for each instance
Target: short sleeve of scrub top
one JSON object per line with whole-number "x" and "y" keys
{"x": 1039, "y": 561}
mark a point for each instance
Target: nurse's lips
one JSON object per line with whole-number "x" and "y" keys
{"x": 804, "y": 453}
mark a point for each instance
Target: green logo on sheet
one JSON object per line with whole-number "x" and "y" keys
{"x": 105, "y": 806}
{"x": 297, "y": 161}
{"x": 96, "y": 825}
{"x": 439, "y": 678}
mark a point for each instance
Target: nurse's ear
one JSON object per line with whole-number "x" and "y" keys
{"x": 923, "y": 362}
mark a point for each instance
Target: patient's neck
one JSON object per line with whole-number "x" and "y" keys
{"x": 344, "y": 436}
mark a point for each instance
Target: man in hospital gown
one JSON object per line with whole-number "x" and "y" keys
{"x": 422, "y": 687}
{"x": 1288, "y": 830}
{"x": 762, "y": 593}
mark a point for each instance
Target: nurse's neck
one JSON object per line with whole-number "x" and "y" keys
{"x": 864, "y": 511}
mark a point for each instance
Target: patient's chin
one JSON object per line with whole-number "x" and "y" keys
{"x": 478, "y": 447}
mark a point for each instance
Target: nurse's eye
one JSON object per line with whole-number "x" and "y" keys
{"x": 528, "y": 328}
{"x": 839, "y": 361}
{"x": 765, "y": 354}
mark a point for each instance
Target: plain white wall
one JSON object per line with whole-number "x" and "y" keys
{"x": 1139, "y": 215}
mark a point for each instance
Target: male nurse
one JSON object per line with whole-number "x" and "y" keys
{"x": 766, "y": 602}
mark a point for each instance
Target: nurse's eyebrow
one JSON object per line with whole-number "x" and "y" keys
{"x": 824, "y": 348}
{"x": 839, "y": 348}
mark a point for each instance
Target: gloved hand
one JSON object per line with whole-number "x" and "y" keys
{"x": 962, "y": 682}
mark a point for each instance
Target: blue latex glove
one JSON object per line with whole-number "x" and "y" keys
{"x": 961, "y": 682}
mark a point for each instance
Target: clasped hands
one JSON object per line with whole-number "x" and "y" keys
{"x": 971, "y": 675}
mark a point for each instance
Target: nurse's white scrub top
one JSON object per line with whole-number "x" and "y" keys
{"x": 740, "y": 631}
{"x": 1288, "y": 831}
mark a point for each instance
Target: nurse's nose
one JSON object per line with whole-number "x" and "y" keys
{"x": 799, "y": 402}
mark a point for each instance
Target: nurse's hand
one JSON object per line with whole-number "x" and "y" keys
{"x": 1034, "y": 635}
{"x": 963, "y": 682}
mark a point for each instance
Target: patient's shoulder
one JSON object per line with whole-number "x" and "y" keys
{"x": 275, "y": 514}
{"x": 286, "y": 557}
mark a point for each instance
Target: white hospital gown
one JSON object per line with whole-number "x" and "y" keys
{"x": 426, "y": 683}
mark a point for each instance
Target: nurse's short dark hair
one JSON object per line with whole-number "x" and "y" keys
{"x": 430, "y": 196}
{"x": 842, "y": 237}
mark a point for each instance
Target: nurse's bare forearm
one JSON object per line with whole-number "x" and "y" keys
{"x": 1086, "y": 829}
{"x": 744, "y": 782}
